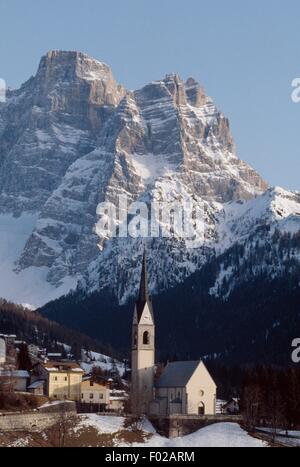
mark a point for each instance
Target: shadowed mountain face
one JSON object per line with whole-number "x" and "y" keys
{"x": 256, "y": 324}
{"x": 72, "y": 137}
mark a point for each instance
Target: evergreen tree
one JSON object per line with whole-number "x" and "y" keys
{"x": 23, "y": 359}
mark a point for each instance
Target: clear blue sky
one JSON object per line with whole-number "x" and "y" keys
{"x": 246, "y": 55}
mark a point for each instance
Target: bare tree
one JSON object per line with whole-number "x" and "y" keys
{"x": 252, "y": 405}
{"x": 134, "y": 422}
{"x": 58, "y": 433}
{"x": 275, "y": 412}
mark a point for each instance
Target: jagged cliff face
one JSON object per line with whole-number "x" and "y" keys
{"x": 49, "y": 123}
{"x": 71, "y": 137}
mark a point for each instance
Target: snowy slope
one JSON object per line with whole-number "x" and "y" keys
{"x": 90, "y": 360}
{"x": 277, "y": 208}
{"x": 103, "y": 424}
{"x": 217, "y": 435}
{"x": 254, "y": 225}
{"x": 28, "y": 287}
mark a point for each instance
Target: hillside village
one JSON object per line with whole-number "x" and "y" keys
{"x": 98, "y": 383}
{"x": 59, "y": 401}
{"x": 62, "y": 392}
{"x": 94, "y": 382}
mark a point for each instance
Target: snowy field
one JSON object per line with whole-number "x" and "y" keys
{"x": 218, "y": 435}
{"x": 92, "y": 430}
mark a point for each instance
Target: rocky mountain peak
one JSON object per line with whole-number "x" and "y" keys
{"x": 69, "y": 65}
{"x": 67, "y": 76}
{"x": 195, "y": 93}
{"x": 72, "y": 137}
{"x": 183, "y": 92}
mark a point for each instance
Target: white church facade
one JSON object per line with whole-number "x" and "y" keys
{"x": 184, "y": 388}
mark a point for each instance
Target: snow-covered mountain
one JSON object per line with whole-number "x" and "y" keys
{"x": 72, "y": 137}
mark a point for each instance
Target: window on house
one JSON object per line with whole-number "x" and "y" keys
{"x": 146, "y": 338}
{"x": 91, "y": 395}
{"x": 55, "y": 378}
{"x": 101, "y": 396}
{"x": 81, "y": 396}
{"x": 91, "y": 383}
{"x": 66, "y": 378}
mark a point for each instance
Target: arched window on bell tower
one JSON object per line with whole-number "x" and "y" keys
{"x": 146, "y": 338}
{"x": 135, "y": 338}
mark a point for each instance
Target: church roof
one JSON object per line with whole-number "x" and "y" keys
{"x": 177, "y": 374}
{"x": 144, "y": 297}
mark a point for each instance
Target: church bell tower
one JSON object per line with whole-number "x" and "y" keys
{"x": 143, "y": 348}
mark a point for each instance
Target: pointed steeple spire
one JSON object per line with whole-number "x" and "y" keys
{"x": 144, "y": 297}
{"x": 144, "y": 291}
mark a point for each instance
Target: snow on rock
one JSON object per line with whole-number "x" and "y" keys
{"x": 103, "y": 424}
{"x": 20, "y": 443}
{"x": 276, "y": 207}
{"x": 28, "y": 287}
{"x": 151, "y": 167}
{"x": 252, "y": 224}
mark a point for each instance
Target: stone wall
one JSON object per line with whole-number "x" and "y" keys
{"x": 30, "y": 421}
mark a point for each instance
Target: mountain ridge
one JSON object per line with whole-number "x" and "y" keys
{"x": 72, "y": 137}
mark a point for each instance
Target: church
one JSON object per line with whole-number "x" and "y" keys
{"x": 184, "y": 388}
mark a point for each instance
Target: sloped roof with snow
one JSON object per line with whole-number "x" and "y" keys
{"x": 37, "y": 384}
{"x": 14, "y": 374}
{"x": 62, "y": 366}
{"x": 177, "y": 374}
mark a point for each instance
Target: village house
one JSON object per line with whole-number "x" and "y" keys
{"x": 95, "y": 393}
{"x": 9, "y": 338}
{"x": 117, "y": 400}
{"x": 9, "y": 348}
{"x": 38, "y": 388}
{"x": 184, "y": 388}
{"x": 56, "y": 356}
{"x": 2, "y": 351}
{"x": 62, "y": 379}
{"x": 14, "y": 380}
{"x": 231, "y": 407}
{"x": 58, "y": 379}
